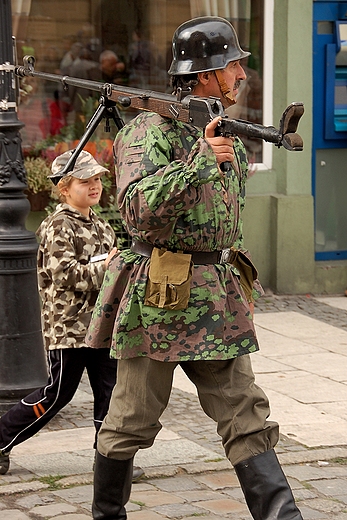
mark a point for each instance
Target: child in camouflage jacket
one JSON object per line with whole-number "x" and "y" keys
{"x": 75, "y": 245}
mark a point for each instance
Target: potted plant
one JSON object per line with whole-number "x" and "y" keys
{"x": 39, "y": 185}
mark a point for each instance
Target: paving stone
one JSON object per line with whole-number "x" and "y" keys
{"x": 219, "y": 480}
{"x": 294, "y": 484}
{"x": 204, "y": 517}
{"x": 179, "y": 451}
{"x": 52, "y": 510}
{"x": 31, "y": 501}
{"x": 23, "y": 474}
{"x": 222, "y": 507}
{"x": 72, "y": 517}
{"x": 203, "y": 467}
{"x": 303, "y": 494}
{"x": 87, "y": 506}
{"x": 330, "y": 487}
{"x": 155, "y": 498}
{"x": 235, "y": 493}
{"x": 177, "y": 484}
{"x": 324, "y": 505}
{"x": 309, "y": 472}
{"x": 162, "y": 471}
{"x": 76, "y": 480}
{"x": 132, "y": 506}
{"x": 240, "y": 516}
{"x": 141, "y": 486}
{"x": 324, "y": 454}
{"x": 10, "y": 478}
{"x": 311, "y": 514}
{"x": 22, "y": 487}
{"x": 147, "y": 515}
{"x": 199, "y": 495}
{"x": 57, "y": 465}
{"x": 179, "y": 510}
{"x": 76, "y": 495}
{"x": 13, "y": 514}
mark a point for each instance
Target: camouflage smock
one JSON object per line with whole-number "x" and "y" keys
{"x": 68, "y": 282}
{"x": 172, "y": 194}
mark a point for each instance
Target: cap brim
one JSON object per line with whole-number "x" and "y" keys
{"x": 86, "y": 173}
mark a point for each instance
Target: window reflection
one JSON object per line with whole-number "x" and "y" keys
{"x": 126, "y": 42}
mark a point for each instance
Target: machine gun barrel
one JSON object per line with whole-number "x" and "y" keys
{"x": 166, "y": 105}
{"x": 194, "y": 110}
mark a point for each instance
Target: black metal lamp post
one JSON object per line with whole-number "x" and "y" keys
{"x": 22, "y": 357}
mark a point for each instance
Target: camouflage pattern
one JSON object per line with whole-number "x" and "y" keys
{"x": 85, "y": 166}
{"x": 172, "y": 194}
{"x": 68, "y": 281}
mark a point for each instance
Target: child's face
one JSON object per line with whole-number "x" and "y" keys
{"x": 81, "y": 194}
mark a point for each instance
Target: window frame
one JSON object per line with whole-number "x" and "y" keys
{"x": 267, "y": 82}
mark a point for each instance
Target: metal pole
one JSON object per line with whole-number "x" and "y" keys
{"x": 22, "y": 357}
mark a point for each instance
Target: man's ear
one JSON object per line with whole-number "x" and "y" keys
{"x": 204, "y": 77}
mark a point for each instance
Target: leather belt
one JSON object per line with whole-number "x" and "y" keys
{"x": 198, "y": 257}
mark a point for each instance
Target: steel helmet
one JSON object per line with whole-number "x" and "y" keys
{"x": 203, "y": 44}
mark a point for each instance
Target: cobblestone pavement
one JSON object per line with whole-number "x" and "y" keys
{"x": 208, "y": 489}
{"x": 307, "y": 305}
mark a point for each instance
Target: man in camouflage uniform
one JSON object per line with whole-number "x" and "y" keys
{"x": 183, "y": 293}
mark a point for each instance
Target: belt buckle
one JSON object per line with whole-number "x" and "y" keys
{"x": 224, "y": 256}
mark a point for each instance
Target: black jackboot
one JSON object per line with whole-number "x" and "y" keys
{"x": 266, "y": 489}
{"x": 112, "y": 486}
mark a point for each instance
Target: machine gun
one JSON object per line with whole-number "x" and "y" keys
{"x": 190, "y": 109}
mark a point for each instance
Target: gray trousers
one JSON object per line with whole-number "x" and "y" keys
{"x": 227, "y": 394}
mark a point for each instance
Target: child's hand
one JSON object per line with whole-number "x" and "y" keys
{"x": 111, "y": 254}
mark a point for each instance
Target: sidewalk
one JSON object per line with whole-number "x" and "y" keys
{"x": 302, "y": 368}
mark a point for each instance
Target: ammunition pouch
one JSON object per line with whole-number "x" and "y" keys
{"x": 247, "y": 270}
{"x": 169, "y": 277}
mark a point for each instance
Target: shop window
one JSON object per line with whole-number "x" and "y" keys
{"x": 126, "y": 42}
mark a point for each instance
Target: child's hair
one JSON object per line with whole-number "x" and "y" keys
{"x": 63, "y": 183}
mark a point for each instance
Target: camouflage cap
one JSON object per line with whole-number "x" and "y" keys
{"x": 85, "y": 167}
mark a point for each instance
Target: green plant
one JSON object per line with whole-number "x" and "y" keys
{"x": 340, "y": 460}
{"x": 37, "y": 174}
{"x": 138, "y": 502}
{"x": 52, "y": 481}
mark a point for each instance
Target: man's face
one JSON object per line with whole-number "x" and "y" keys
{"x": 233, "y": 75}
{"x": 109, "y": 65}
{"x": 208, "y": 85}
